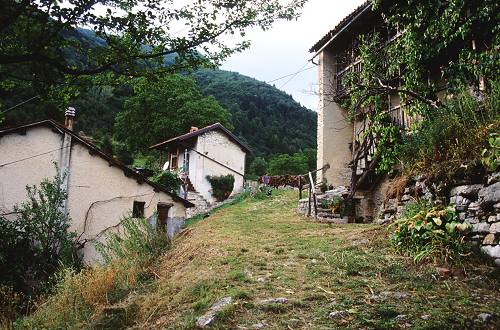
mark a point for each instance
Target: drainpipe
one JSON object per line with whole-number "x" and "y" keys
{"x": 64, "y": 164}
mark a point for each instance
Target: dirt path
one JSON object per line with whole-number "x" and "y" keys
{"x": 331, "y": 276}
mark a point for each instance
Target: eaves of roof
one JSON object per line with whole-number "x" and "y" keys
{"x": 338, "y": 28}
{"x": 188, "y": 136}
{"x": 95, "y": 150}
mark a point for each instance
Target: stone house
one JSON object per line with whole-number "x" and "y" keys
{"x": 208, "y": 151}
{"x": 341, "y": 141}
{"x": 476, "y": 199}
{"x": 100, "y": 189}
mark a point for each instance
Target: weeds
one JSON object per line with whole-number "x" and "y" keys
{"x": 453, "y": 135}
{"x": 426, "y": 232}
{"x": 86, "y": 299}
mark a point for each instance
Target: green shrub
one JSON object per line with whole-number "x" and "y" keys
{"x": 168, "y": 180}
{"x": 491, "y": 154}
{"x": 222, "y": 186}
{"x": 137, "y": 241}
{"x": 37, "y": 243}
{"x": 452, "y": 135}
{"x": 426, "y": 232}
{"x": 86, "y": 299}
{"x": 337, "y": 205}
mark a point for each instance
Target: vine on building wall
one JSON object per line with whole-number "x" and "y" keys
{"x": 426, "y": 47}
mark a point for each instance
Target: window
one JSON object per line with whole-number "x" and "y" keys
{"x": 173, "y": 162}
{"x": 138, "y": 209}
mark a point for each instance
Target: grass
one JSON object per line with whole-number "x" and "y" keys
{"x": 259, "y": 249}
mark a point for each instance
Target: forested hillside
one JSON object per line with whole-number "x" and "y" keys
{"x": 269, "y": 120}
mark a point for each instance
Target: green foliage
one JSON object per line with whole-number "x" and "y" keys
{"x": 491, "y": 155}
{"x": 337, "y": 205}
{"x": 88, "y": 299}
{"x": 37, "y": 242}
{"x": 169, "y": 180}
{"x": 258, "y": 167}
{"x": 265, "y": 118}
{"x": 298, "y": 163}
{"x": 42, "y": 41}
{"x": 222, "y": 186}
{"x": 426, "y": 232}
{"x": 433, "y": 47}
{"x": 164, "y": 109}
{"x": 453, "y": 136}
{"x": 136, "y": 241}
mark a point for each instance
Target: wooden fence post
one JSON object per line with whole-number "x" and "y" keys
{"x": 300, "y": 187}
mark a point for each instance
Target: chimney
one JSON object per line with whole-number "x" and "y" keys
{"x": 69, "y": 118}
{"x": 193, "y": 129}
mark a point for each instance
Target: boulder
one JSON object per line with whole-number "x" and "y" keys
{"x": 495, "y": 228}
{"x": 492, "y": 251}
{"x": 207, "y": 319}
{"x": 273, "y": 301}
{"x": 467, "y": 190}
{"x": 481, "y": 227}
{"x": 489, "y": 239}
{"x": 490, "y": 194}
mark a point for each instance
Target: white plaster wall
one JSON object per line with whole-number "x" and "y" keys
{"x": 335, "y": 131}
{"x": 218, "y": 146}
{"x": 15, "y": 177}
{"x": 98, "y": 194}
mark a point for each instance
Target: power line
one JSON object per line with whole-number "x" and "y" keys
{"x": 288, "y": 75}
{"x": 34, "y": 156}
{"x": 19, "y": 104}
{"x": 295, "y": 75}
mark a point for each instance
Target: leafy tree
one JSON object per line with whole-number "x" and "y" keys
{"x": 167, "y": 108}
{"x": 267, "y": 119}
{"x": 37, "y": 242}
{"x": 288, "y": 164}
{"x": 40, "y": 42}
{"x": 258, "y": 167}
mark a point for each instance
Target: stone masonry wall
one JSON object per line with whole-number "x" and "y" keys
{"x": 476, "y": 203}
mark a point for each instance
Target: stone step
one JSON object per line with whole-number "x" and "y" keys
{"x": 339, "y": 221}
{"x": 328, "y": 215}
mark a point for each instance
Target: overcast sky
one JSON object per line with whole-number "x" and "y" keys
{"x": 285, "y": 49}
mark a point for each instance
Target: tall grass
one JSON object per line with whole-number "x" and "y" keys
{"x": 452, "y": 135}
{"x": 90, "y": 298}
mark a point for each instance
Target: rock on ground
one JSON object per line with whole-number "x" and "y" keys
{"x": 209, "y": 317}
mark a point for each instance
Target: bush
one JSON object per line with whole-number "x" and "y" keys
{"x": 452, "y": 135}
{"x": 337, "y": 205}
{"x": 138, "y": 241}
{"x": 168, "y": 180}
{"x": 426, "y": 232}
{"x": 37, "y": 242}
{"x": 222, "y": 186}
{"x": 87, "y": 299}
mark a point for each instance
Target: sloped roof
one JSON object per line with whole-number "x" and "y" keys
{"x": 338, "y": 28}
{"x": 95, "y": 150}
{"x": 188, "y": 136}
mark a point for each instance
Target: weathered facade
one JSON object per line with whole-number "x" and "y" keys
{"x": 209, "y": 151}
{"x": 100, "y": 189}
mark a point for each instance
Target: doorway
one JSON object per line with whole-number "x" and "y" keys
{"x": 162, "y": 222}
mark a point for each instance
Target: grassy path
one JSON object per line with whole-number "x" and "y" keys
{"x": 261, "y": 249}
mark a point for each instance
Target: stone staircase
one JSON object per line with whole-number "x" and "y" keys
{"x": 201, "y": 204}
{"x": 325, "y": 215}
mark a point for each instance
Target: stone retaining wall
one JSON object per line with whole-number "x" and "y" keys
{"x": 477, "y": 203}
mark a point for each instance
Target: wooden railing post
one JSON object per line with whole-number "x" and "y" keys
{"x": 300, "y": 187}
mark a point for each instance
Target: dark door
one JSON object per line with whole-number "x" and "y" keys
{"x": 162, "y": 216}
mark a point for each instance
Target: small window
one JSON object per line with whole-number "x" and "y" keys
{"x": 138, "y": 209}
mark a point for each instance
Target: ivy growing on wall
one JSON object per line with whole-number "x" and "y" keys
{"x": 436, "y": 46}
